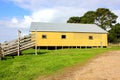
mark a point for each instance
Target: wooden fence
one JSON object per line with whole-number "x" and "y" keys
{"x": 17, "y": 45}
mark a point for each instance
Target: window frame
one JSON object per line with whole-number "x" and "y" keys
{"x": 44, "y": 36}
{"x": 90, "y": 37}
{"x": 63, "y": 36}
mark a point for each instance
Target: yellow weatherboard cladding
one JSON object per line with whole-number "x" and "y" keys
{"x": 70, "y": 39}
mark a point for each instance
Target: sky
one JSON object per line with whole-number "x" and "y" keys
{"x": 18, "y": 14}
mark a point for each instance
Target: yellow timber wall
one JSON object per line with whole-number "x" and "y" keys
{"x": 72, "y": 39}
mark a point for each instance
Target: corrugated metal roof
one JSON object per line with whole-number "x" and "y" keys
{"x": 66, "y": 27}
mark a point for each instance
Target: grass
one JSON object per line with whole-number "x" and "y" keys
{"x": 29, "y": 66}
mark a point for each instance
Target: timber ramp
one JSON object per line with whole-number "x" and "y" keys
{"x": 16, "y": 46}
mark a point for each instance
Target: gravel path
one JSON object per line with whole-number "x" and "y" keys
{"x": 105, "y": 67}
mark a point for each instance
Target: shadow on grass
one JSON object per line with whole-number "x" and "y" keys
{"x": 8, "y": 57}
{"x": 12, "y": 56}
{"x": 33, "y": 53}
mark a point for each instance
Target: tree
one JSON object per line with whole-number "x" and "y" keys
{"x": 114, "y": 34}
{"x": 74, "y": 20}
{"x": 102, "y": 17}
{"x": 105, "y": 18}
{"x": 88, "y": 18}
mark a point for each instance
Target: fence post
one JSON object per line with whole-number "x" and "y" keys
{"x": 19, "y": 34}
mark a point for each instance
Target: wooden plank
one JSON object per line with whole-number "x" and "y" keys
{"x": 11, "y": 50}
{"x": 25, "y": 40}
{"x": 25, "y": 43}
{"x": 9, "y": 47}
{"x": 27, "y": 47}
{"x": 31, "y": 44}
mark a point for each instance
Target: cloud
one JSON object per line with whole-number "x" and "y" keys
{"x": 45, "y": 15}
{"x": 14, "y": 23}
{"x": 31, "y": 4}
{"x": 42, "y": 15}
{"x": 64, "y": 13}
{"x": 58, "y": 14}
{"x": 90, "y": 4}
{"x": 14, "y": 20}
{"x": 56, "y": 11}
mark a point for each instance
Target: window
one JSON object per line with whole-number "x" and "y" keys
{"x": 44, "y": 36}
{"x": 63, "y": 36}
{"x": 90, "y": 37}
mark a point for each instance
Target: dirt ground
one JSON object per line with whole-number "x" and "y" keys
{"x": 104, "y": 67}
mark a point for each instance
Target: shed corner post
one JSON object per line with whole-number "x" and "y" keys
{"x": 35, "y": 42}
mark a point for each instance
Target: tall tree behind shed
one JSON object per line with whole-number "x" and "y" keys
{"x": 105, "y": 18}
{"x": 88, "y": 18}
{"x": 102, "y": 17}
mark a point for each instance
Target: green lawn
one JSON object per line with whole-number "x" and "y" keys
{"x": 30, "y": 66}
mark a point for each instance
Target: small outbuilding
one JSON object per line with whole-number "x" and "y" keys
{"x": 68, "y": 35}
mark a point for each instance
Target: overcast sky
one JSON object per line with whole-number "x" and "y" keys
{"x": 18, "y": 14}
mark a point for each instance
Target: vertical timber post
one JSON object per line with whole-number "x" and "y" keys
{"x": 19, "y": 34}
{"x": 35, "y": 42}
{"x": 101, "y": 42}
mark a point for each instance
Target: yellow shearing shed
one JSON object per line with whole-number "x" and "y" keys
{"x": 68, "y": 35}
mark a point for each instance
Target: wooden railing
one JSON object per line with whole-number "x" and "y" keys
{"x": 17, "y": 45}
